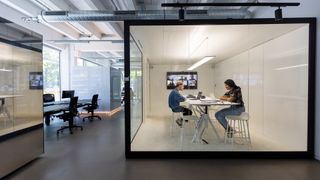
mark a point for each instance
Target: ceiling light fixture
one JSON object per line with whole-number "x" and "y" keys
{"x": 199, "y": 63}
{"x": 5, "y": 70}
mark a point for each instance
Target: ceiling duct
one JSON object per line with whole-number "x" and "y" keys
{"x": 62, "y": 16}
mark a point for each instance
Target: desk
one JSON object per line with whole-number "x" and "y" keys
{"x": 50, "y": 108}
{"x": 3, "y": 109}
{"x": 204, "y": 119}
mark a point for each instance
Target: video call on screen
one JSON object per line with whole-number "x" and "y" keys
{"x": 189, "y": 79}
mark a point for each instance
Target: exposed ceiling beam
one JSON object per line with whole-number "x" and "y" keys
{"x": 124, "y": 5}
{"x": 14, "y": 15}
{"x": 83, "y": 28}
{"x": 115, "y": 53}
{"x": 107, "y": 57}
{"x": 96, "y": 5}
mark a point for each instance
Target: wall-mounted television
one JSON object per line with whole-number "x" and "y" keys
{"x": 35, "y": 80}
{"x": 189, "y": 79}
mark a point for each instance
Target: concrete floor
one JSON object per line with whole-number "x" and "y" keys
{"x": 97, "y": 152}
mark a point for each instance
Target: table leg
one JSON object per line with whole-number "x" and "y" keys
{"x": 202, "y": 124}
{"x": 47, "y": 120}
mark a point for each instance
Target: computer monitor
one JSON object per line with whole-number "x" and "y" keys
{"x": 67, "y": 94}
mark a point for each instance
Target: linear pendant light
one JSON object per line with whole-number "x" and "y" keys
{"x": 199, "y": 63}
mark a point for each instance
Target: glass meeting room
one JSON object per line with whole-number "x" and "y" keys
{"x": 239, "y": 87}
{"x": 21, "y": 79}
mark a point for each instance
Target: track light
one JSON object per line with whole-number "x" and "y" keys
{"x": 181, "y": 14}
{"x": 278, "y": 14}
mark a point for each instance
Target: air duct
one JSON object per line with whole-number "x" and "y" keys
{"x": 63, "y": 16}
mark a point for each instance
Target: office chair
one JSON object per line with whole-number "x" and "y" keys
{"x": 68, "y": 115}
{"x": 48, "y": 98}
{"x": 91, "y": 107}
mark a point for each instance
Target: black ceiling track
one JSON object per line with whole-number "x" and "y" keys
{"x": 270, "y": 4}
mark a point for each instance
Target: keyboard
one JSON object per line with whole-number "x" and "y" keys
{"x": 190, "y": 96}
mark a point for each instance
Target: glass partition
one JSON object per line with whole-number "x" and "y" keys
{"x": 21, "y": 79}
{"x": 135, "y": 87}
{"x": 251, "y": 87}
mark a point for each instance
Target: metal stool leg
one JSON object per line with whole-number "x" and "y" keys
{"x": 226, "y": 131}
{"x": 172, "y": 123}
{"x": 248, "y": 131}
{"x": 182, "y": 134}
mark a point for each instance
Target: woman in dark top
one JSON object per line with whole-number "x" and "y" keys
{"x": 233, "y": 94}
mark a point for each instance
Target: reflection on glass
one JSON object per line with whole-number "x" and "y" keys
{"x": 20, "y": 79}
{"x": 135, "y": 87}
{"x": 270, "y": 69}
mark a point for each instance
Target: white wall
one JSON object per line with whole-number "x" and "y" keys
{"x": 276, "y": 99}
{"x": 159, "y": 93}
{"x": 308, "y": 8}
{"x": 235, "y": 68}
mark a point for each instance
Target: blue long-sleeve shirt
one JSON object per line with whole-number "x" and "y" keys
{"x": 174, "y": 101}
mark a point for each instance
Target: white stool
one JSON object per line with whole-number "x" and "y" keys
{"x": 240, "y": 127}
{"x": 175, "y": 116}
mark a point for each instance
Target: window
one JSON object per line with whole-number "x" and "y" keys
{"x": 84, "y": 63}
{"x": 51, "y": 72}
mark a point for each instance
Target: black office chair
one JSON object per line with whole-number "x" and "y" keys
{"x": 91, "y": 107}
{"x": 48, "y": 98}
{"x": 68, "y": 115}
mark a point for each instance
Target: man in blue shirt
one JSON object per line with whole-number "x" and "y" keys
{"x": 174, "y": 102}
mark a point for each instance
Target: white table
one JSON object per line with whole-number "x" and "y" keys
{"x": 204, "y": 119}
{"x": 3, "y": 109}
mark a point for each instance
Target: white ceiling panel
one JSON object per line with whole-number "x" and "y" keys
{"x": 188, "y": 44}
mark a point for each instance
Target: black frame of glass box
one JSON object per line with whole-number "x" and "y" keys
{"x": 225, "y": 154}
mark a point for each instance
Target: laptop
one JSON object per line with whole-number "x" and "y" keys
{"x": 192, "y": 97}
{"x": 199, "y": 95}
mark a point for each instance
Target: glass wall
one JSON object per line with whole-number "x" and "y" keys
{"x": 88, "y": 78}
{"x": 51, "y": 72}
{"x": 21, "y": 80}
{"x": 266, "y": 110}
{"x": 135, "y": 87}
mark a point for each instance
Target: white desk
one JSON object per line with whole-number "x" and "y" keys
{"x": 3, "y": 109}
{"x": 204, "y": 119}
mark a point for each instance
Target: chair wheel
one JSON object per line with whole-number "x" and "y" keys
{"x": 71, "y": 132}
{"x": 81, "y": 128}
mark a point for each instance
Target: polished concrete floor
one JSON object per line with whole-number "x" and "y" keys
{"x": 97, "y": 152}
